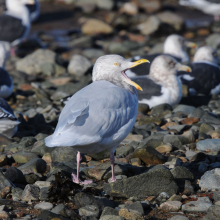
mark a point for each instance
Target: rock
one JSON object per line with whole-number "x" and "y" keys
{"x": 171, "y": 206}
{"x": 201, "y": 205}
{"x": 82, "y": 199}
{"x": 213, "y": 213}
{"x": 79, "y": 65}
{"x": 172, "y": 140}
{"x": 30, "y": 192}
{"x": 15, "y": 175}
{"x": 89, "y": 210}
{"x": 152, "y": 183}
{"x": 162, "y": 197}
{"x": 178, "y": 217}
{"x": 129, "y": 214}
{"x": 164, "y": 149}
{"x": 31, "y": 178}
{"x": 4, "y": 141}
{"x": 135, "y": 162}
{"x": 105, "y": 4}
{"x": 124, "y": 150}
{"x": 133, "y": 137}
{"x": 3, "y": 160}
{"x": 94, "y": 26}
{"x": 47, "y": 215}
{"x": 35, "y": 165}
{"x": 63, "y": 154}
{"x": 103, "y": 171}
{"x": 143, "y": 108}
{"x": 150, "y": 6}
{"x": 129, "y": 8}
{"x": 149, "y": 155}
{"x": 109, "y": 211}
{"x": 188, "y": 188}
{"x": 216, "y": 196}
{"x": 101, "y": 155}
{"x": 31, "y": 64}
{"x": 210, "y": 180}
{"x": 137, "y": 206}
{"x": 44, "y": 206}
{"x": 173, "y": 19}
{"x": 44, "y": 193}
{"x": 189, "y": 121}
{"x": 197, "y": 113}
{"x": 180, "y": 172}
{"x": 213, "y": 40}
{"x": 42, "y": 184}
{"x": 40, "y": 148}
{"x": 111, "y": 217}
{"x": 93, "y": 53}
{"x": 160, "y": 109}
{"x": 208, "y": 119}
{"x": 205, "y": 128}
{"x": 212, "y": 144}
{"x": 21, "y": 157}
{"x": 4, "y": 215}
{"x": 58, "y": 209}
{"x": 184, "y": 109}
{"x": 16, "y": 193}
{"x": 150, "y": 26}
{"x": 4, "y": 182}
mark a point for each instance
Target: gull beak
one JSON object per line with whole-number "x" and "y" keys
{"x": 185, "y": 68}
{"x": 31, "y": 2}
{"x": 128, "y": 80}
{"x": 191, "y": 44}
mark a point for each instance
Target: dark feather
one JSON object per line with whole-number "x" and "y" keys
{"x": 5, "y": 78}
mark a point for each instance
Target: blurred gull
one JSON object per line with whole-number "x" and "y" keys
{"x": 8, "y": 122}
{"x": 205, "y": 75}
{"x": 175, "y": 46}
{"x": 99, "y": 116}
{"x": 161, "y": 85}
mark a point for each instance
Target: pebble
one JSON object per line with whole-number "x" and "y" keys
{"x": 44, "y": 206}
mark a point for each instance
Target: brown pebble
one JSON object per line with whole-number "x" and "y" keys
{"x": 189, "y": 121}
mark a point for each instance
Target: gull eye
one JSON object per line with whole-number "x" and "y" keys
{"x": 116, "y": 64}
{"x": 172, "y": 64}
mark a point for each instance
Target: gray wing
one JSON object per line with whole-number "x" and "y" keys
{"x": 97, "y": 112}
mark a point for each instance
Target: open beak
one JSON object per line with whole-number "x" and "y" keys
{"x": 127, "y": 79}
{"x": 185, "y": 68}
{"x": 191, "y": 44}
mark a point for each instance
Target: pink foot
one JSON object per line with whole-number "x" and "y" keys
{"x": 112, "y": 180}
{"x": 78, "y": 181}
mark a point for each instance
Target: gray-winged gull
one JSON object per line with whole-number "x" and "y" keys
{"x": 8, "y": 121}
{"x": 174, "y": 45}
{"x": 161, "y": 85}
{"x": 99, "y": 116}
{"x": 205, "y": 75}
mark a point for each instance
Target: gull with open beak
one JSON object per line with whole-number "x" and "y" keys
{"x": 162, "y": 84}
{"x": 99, "y": 116}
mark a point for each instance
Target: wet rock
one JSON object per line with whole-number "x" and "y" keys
{"x": 21, "y": 157}
{"x": 89, "y": 210}
{"x": 35, "y": 165}
{"x": 201, "y": 205}
{"x": 212, "y": 144}
{"x": 79, "y": 65}
{"x": 150, "y": 26}
{"x": 15, "y": 175}
{"x": 44, "y": 206}
{"x": 63, "y": 154}
{"x": 152, "y": 183}
{"x": 103, "y": 171}
{"x": 94, "y": 26}
{"x": 149, "y": 155}
{"x": 31, "y": 178}
{"x": 210, "y": 180}
{"x": 171, "y": 206}
{"x": 30, "y": 192}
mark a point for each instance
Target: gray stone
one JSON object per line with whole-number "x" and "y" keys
{"x": 111, "y": 217}
{"x": 4, "y": 182}
{"x": 178, "y": 217}
{"x": 173, "y": 140}
{"x": 137, "y": 206}
{"x": 40, "y": 148}
{"x": 36, "y": 165}
{"x": 105, "y": 4}
{"x": 159, "y": 109}
{"x": 101, "y": 155}
{"x": 180, "y": 172}
{"x": 21, "y": 157}
{"x": 16, "y": 193}
{"x": 213, "y": 40}
{"x": 213, "y": 213}
{"x": 197, "y": 113}
{"x": 93, "y": 53}
{"x": 15, "y": 175}
{"x": 46, "y": 215}
{"x": 171, "y": 206}
{"x": 124, "y": 150}
{"x": 162, "y": 197}
{"x": 109, "y": 211}
{"x": 63, "y": 154}
{"x": 210, "y": 180}
{"x": 205, "y": 128}
{"x": 31, "y": 178}
{"x": 152, "y": 183}
{"x": 216, "y": 196}
{"x": 186, "y": 109}
{"x": 208, "y": 119}
{"x": 44, "y": 206}
{"x": 30, "y": 192}
{"x": 58, "y": 209}
{"x": 212, "y": 144}
{"x": 44, "y": 193}
{"x": 201, "y": 205}
{"x": 89, "y": 210}
{"x": 79, "y": 65}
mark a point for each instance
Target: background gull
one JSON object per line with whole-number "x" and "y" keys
{"x": 205, "y": 75}
{"x": 101, "y": 115}
{"x": 174, "y": 45}
{"x": 161, "y": 85}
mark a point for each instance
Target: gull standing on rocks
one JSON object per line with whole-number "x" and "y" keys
{"x": 205, "y": 75}
{"x": 6, "y": 82}
{"x": 161, "y": 85}
{"x": 174, "y": 45}
{"x": 99, "y": 116}
{"x": 15, "y": 22}
{"x": 8, "y": 121}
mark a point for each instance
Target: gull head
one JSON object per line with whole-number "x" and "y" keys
{"x": 113, "y": 68}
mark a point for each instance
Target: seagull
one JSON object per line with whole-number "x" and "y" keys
{"x": 211, "y": 7}
{"x": 99, "y": 116}
{"x": 161, "y": 85}
{"x": 174, "y": 45}
{"x": 6, "y": 82}
{"x": 8, "y": 121}
{"x": 205, "y": 75}
{"x": 15, "y": 22}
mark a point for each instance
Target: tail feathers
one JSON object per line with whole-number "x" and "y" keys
{"x": 49, "y": 141}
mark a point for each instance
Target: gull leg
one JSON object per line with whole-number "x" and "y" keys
{"x": 112, "y": 159}
{"x": 216, "y": 18}
{"x": 75, "y": 178}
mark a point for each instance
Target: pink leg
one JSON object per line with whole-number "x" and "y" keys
{"x": 216, "y": 18}
{"x": 13, "y": 52}
{"x": 112, "y": 159}
{"x": 75, "y": 178}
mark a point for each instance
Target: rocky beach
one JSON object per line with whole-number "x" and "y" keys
{"x": 167, "y": 168}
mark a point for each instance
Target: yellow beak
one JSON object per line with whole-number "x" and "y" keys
{"x": 185, "y": 68}
{"x": 31, "y": 2}
{"x": 128, "y": 80}
{"x": 191, "y": 44}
